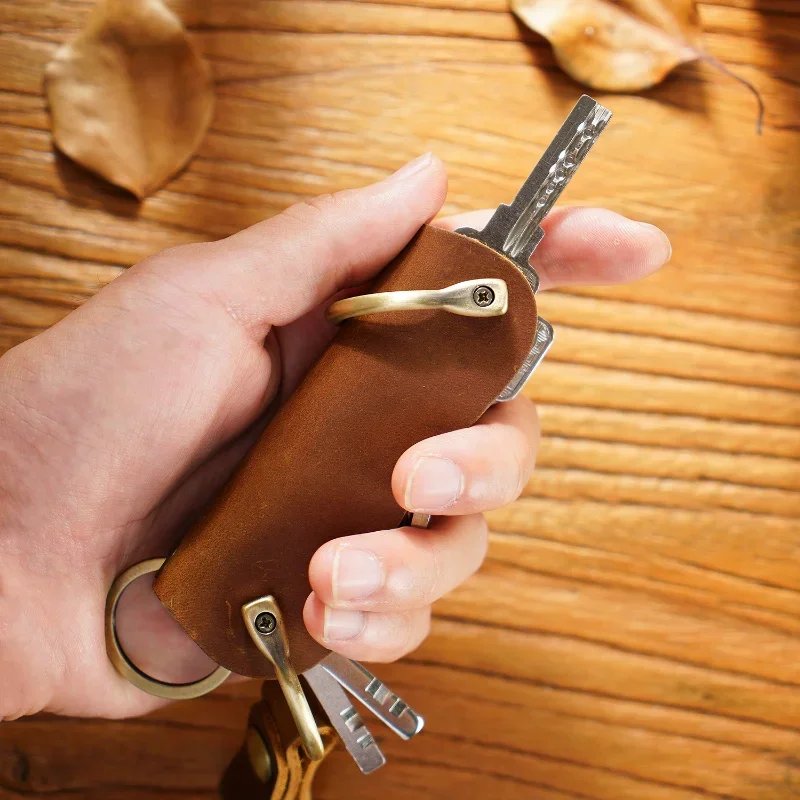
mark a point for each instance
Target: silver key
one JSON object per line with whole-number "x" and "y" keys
{"x": 515, "y": 230}
{"x": 345, "y": 719}
{"x": 376, "y": 696}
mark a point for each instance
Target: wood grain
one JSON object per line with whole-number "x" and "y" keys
{"x": 635, "y": 631}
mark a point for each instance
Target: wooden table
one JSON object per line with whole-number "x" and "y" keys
{"x": 634, "y": 633}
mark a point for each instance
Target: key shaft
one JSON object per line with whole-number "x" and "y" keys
{"x": 515, "y": 230}
{"x": 558, "y": 176}
{"x": 375, "y": 695}
{"x": 355, "y": 735}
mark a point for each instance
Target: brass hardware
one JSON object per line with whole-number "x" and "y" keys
{"x": 274, "y": 646}
{"x": 126, "y": 668}
{"x": 259, "y": 755}
{"x": 484, "y": 297}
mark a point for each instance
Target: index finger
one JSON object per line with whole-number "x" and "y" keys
{"x": 587, "y": 246}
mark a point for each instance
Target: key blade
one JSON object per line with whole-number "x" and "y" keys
{"x": 375, "y": 695}
{"x": 357, "y": 739}
{"x": 553, "y": 172}
{"x": 515, "y": 230}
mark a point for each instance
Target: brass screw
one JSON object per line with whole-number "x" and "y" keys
{"x": 265, "y": 622}
{"x": 483, "y": 296}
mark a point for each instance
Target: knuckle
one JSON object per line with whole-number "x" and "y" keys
{"x": 322, "y": 203}
{"x": 412, "y": 630}
{"x": 309, "y": 220}
{"x": 391, "y": 637}
{"x": 429, "y": 579}
{"x": 309, "y": 211}
{"x": 165, "y": 259}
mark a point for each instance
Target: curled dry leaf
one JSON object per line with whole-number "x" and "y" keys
{"x": 622, "y": 45}
{"x": 130, "y": 96}
{"x": 616, "y": 46}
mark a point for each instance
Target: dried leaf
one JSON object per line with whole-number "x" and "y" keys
{"x": 616, "y": 46}
{"x": 623, "y": 45}
{"x": 130, "y": 96}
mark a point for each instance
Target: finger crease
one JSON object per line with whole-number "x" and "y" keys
{"x": 437, "y": 569}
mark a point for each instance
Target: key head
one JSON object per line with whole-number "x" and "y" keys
{"x": 495, "y": 233}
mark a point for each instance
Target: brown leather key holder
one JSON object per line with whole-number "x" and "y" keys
{"x": 450, "y": 328}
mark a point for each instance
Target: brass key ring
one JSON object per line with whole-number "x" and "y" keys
{"x": 126, "y": 668}
{"x": 484, "y": 297}
{"x": 256, "y": 616}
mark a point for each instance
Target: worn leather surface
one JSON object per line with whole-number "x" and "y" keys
{"x": 322, "y": 468}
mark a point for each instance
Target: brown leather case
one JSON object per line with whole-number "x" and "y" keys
{"x": 322, "y": 468}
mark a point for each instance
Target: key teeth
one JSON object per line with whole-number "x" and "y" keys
{"x": 351, "y": 718}
{"x": 365, "y": 740}
{"x": 602, "y": 116}
{"x": 397, "y": 707}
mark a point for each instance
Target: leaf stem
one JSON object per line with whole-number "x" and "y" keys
{"x": 716, "y": 63}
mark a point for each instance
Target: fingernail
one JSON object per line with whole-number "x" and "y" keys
{"x": 412, "y": 168}
{"x": 434, "y": 483}
{"x": 341, "y": 625}
{"x": 356, "y": 574}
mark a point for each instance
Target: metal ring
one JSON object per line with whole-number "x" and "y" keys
{"x": 126, "y": 668}
{"x": 484, "y": 297}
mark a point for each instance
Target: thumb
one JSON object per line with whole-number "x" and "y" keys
{"x": 277, "y": 270}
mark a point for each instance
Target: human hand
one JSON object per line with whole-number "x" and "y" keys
{"x": 120, "y": 422}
